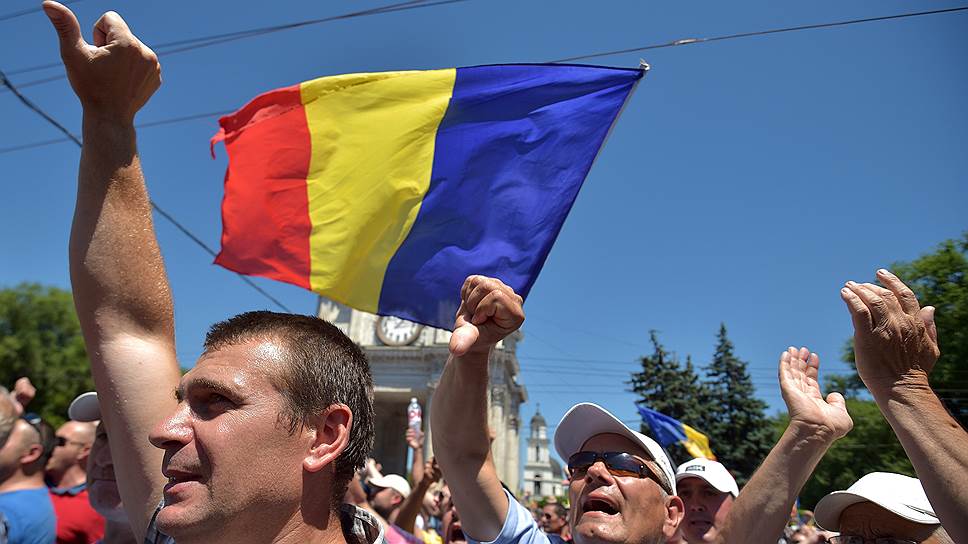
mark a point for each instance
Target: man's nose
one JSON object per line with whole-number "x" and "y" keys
{"x": 598, "y": 471}
{"x": 175, "y": 430}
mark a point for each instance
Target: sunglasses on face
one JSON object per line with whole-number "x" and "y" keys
{"x": 847, "y": 539}
{"x": 618, "y": 463}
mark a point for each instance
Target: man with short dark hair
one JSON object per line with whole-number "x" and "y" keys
{"x": 554, "y": 520}
{"x": 24, "y": 499}
{"x": 263, "y": 434}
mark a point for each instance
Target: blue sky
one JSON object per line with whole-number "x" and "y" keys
{"x": 745, "y": 182}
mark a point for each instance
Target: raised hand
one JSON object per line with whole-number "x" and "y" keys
{"x": 432, "y": 471}
{"x": 114, "y": 77}
{"x": 895, "y": 339}
{"x": 489, "y": 311}
{"x": 414, "y": 438}
{"x": 801, "y": 392}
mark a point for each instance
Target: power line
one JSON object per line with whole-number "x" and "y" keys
{"x": 28, "y": 11}
{"x": 191, "y": 44}
{"x": 688, "y": 41}
{"x": 160, "y": 122}
{"x": 27, "y": 102}
{"x": 406, "y": 5}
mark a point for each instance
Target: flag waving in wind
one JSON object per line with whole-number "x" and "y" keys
{"x": 383, "y": 191}
{"x": 668, "y": 431}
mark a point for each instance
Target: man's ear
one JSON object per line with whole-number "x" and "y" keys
{"x": 83, "y": 455}
{"x": 675, "y": 511}
{"x": 31, "y": 454}
{"x": 331, "y": 436}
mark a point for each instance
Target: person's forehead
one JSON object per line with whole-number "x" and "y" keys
{"x": 237, "y": 368}
{"x": 614, "y": 442}
{"x": 694, "y": 483}
{"x": 870, "y": 520}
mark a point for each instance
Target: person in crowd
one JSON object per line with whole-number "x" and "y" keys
{"x": 24, "y": 499}
{"x": 265, "y": 432}
{"x": 554, "y": 520}
{"x": 707, "y": 491}
{"x": 8, "y": 414}
{"x": 66, "y": 475}
{"x": 387, "y": 493}
{"x": 622, "y": 486}
{"x": 895, "y": 349}
{"x": 102, "y": 486}
{"x": 881, "y": 506}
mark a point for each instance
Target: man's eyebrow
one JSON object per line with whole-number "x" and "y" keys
{"x": 207, "y": 384}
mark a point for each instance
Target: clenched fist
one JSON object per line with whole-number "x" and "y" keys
{"x": 489, "y": 311}
{"x": 114, "y": 77}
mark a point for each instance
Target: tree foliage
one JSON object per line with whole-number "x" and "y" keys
{"x": 940, "y": 279}
{"x": 739, "y": 431}
{"x": 722, "y": 406}
{"x": 870, "y": 447}
{"x": 40, "y": 338}
{"x": 667, "y": 386}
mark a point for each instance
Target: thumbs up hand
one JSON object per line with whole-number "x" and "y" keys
{"x": 114, "y": 77}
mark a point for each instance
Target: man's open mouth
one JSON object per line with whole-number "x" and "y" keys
{"x": 599, "y": 505}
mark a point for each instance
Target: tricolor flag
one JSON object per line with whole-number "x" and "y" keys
{"x": 668, "y": 431}
{"x": 383, "y": 191}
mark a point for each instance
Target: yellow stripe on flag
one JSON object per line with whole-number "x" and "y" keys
{"x": 372, "y": 138}
{"x": 696, "y": 443}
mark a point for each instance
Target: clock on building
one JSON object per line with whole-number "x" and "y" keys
{"x": 394, "y": 331}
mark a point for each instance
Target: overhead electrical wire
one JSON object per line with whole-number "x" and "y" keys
{"x": 39, "y": 111}
{"x": 191, "y": 44}
{"x": 410, "y": 5}
{"x": 28, "y": 11}
{"x": 690, "y": 41}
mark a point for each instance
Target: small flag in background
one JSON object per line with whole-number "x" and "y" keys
{"x": 668, "y": 431}
{"x": 384, "y": 191}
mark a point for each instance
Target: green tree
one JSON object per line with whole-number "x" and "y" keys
{"x": 940, "y": 279}
{"x": 739, "y": 433}
{"x": 40, "y": 338}
{"x": 870, "y": 446}
{"x": 667, "y": 386}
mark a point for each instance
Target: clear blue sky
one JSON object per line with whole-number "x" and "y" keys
{"x": 744, "y": 183}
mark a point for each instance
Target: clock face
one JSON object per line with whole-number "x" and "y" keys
{"x": 394, "y": 331}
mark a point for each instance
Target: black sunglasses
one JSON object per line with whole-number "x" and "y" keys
{"x": 618, "y": 463}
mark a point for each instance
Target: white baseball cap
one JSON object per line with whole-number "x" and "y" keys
{"x": 394, "y": 482}
{"x": 586, "y": 420}
{"x": 713, "y": 472}
{"x": 85, "y": 407}
{"x": 899, "y": 494}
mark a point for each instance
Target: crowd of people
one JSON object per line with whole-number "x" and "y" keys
{"x": 267, "y": 437}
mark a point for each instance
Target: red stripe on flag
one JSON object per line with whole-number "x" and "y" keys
{"x": 265, "y": 210}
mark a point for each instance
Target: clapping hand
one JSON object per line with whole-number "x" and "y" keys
{"x": 826, "y": 417}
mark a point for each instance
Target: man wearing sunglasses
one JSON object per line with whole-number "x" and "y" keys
{"x": 67, "y": 478}
{"x": 24, "y": 499}
{"x": 622, "y": 487}
{"x": 881, "y": 508}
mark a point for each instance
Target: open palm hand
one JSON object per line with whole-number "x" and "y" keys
{"x": 805, "y": 403}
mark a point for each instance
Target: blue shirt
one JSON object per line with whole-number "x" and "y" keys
{"x": 519, "y": 528}
{"x": 30, "y": 516}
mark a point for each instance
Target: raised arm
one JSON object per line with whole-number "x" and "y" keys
{"x": 763, "y": 506}
{"x": 895, "y": 348}
{"x": 489, "y": 311}
{"x": 118, "y": 278}
{"x": 406, "y": 514}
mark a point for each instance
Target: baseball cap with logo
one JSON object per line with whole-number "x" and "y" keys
{"x": 896, "y": 493}
{"x": 586, "y": 420}
{"x": 712, "y": 472}
{"x": 394, "y": 482}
